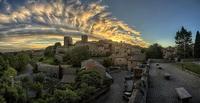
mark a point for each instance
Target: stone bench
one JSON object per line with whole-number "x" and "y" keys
{"x": 183, "y": 94}
{"x": 167, "y": 76}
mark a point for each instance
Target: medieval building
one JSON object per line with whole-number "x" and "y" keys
{"x": 121, "y": 54}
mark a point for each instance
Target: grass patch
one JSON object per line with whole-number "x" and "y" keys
{"x": 190, "y": 66}
{"x": 48, "y": 60}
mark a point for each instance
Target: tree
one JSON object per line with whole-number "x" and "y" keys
{"x": 183, "y": 40}
{"x": 39, "y": 77}
{"x": 66, "y": 96}
{"x": 57, "y": 44}
{"x": 10, "y": 72}
{"x": 91, "y": 78}
{"x": 154, "y": 51}
{"x": 13, "y": 61}
{"x": 2, "y": 99}
{"x": 19, "y": 61}
{"x": 77, "y": 54}
{"x": 22, "y": 97}
{"x": 38, "y": 88}
{"x": 85, "y": 91}
{"x": 197, "y": 45}
{"x": 23, "y": 60}
{"x": 3, "y": 63}
{"x": 11, "y": 94}
{"x": 49, "y": 51}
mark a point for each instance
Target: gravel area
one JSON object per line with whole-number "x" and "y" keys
{"x": 163, "y": 91}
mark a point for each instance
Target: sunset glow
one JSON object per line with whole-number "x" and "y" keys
{"x": 64, "y": 17}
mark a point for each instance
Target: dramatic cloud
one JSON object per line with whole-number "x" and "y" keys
{"x": 67, "y": 17}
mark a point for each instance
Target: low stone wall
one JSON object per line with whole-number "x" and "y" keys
{"x": 140, "y": 90}
{"x": 158, "y": 61}
{"x": 190, "y": 60}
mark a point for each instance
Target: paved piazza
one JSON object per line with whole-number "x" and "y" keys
{"x": 163, "y": 91}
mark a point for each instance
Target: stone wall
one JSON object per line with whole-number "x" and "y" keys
{"x": 140, "y": 90}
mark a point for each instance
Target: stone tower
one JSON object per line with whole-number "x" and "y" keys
{"x": 84, "y": 38}
{"x": 67, "y": 41}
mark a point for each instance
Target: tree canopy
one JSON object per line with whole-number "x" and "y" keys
{"x": 183, "y": 40}
{"x": 19, "y": 61}
{"x": 154, "y": 51}
{"x": 10, "y": 72}
{"x": 197, "y": 45}
{"x": 76, "y": 55}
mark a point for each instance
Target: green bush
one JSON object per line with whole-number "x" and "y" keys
{"x": 85, "y": 91}
{"x": 91, "y": 78}
{"x": 10, "y": 72}
{"x": 3, "y": 63}
{"x": 49, "y": 51}
{"x": 39, "y": 77}
{"x": 2, "y": 99}
{"x": 66, "y": 96}
{"x": 19, "y": 61}
{"x": 38, "y": 88}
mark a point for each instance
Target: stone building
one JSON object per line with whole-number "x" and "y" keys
{"x": 97, "y": 48}
{"x": 126, "y": 56}
{"x": 122, "y": 54}
{"x": 169, "y": 53}
{"x": 92, "y": 65}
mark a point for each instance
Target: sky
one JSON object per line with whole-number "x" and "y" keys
{"x": 137, "y": 22}
{"x": 158, "y": 20}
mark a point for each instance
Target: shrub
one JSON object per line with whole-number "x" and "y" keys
{"x": 39, "y": 77}
{"x": 91, "y": 78}
{"x": 10, "y": 72}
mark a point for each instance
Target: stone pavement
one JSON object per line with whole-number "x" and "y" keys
{"x": 163, "y": 91}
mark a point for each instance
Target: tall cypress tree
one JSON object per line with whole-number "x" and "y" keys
{"x": 197, "y": 45}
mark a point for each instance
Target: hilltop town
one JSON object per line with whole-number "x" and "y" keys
{"x": 90, "y": 71}
{"x": 82, "y": 70}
